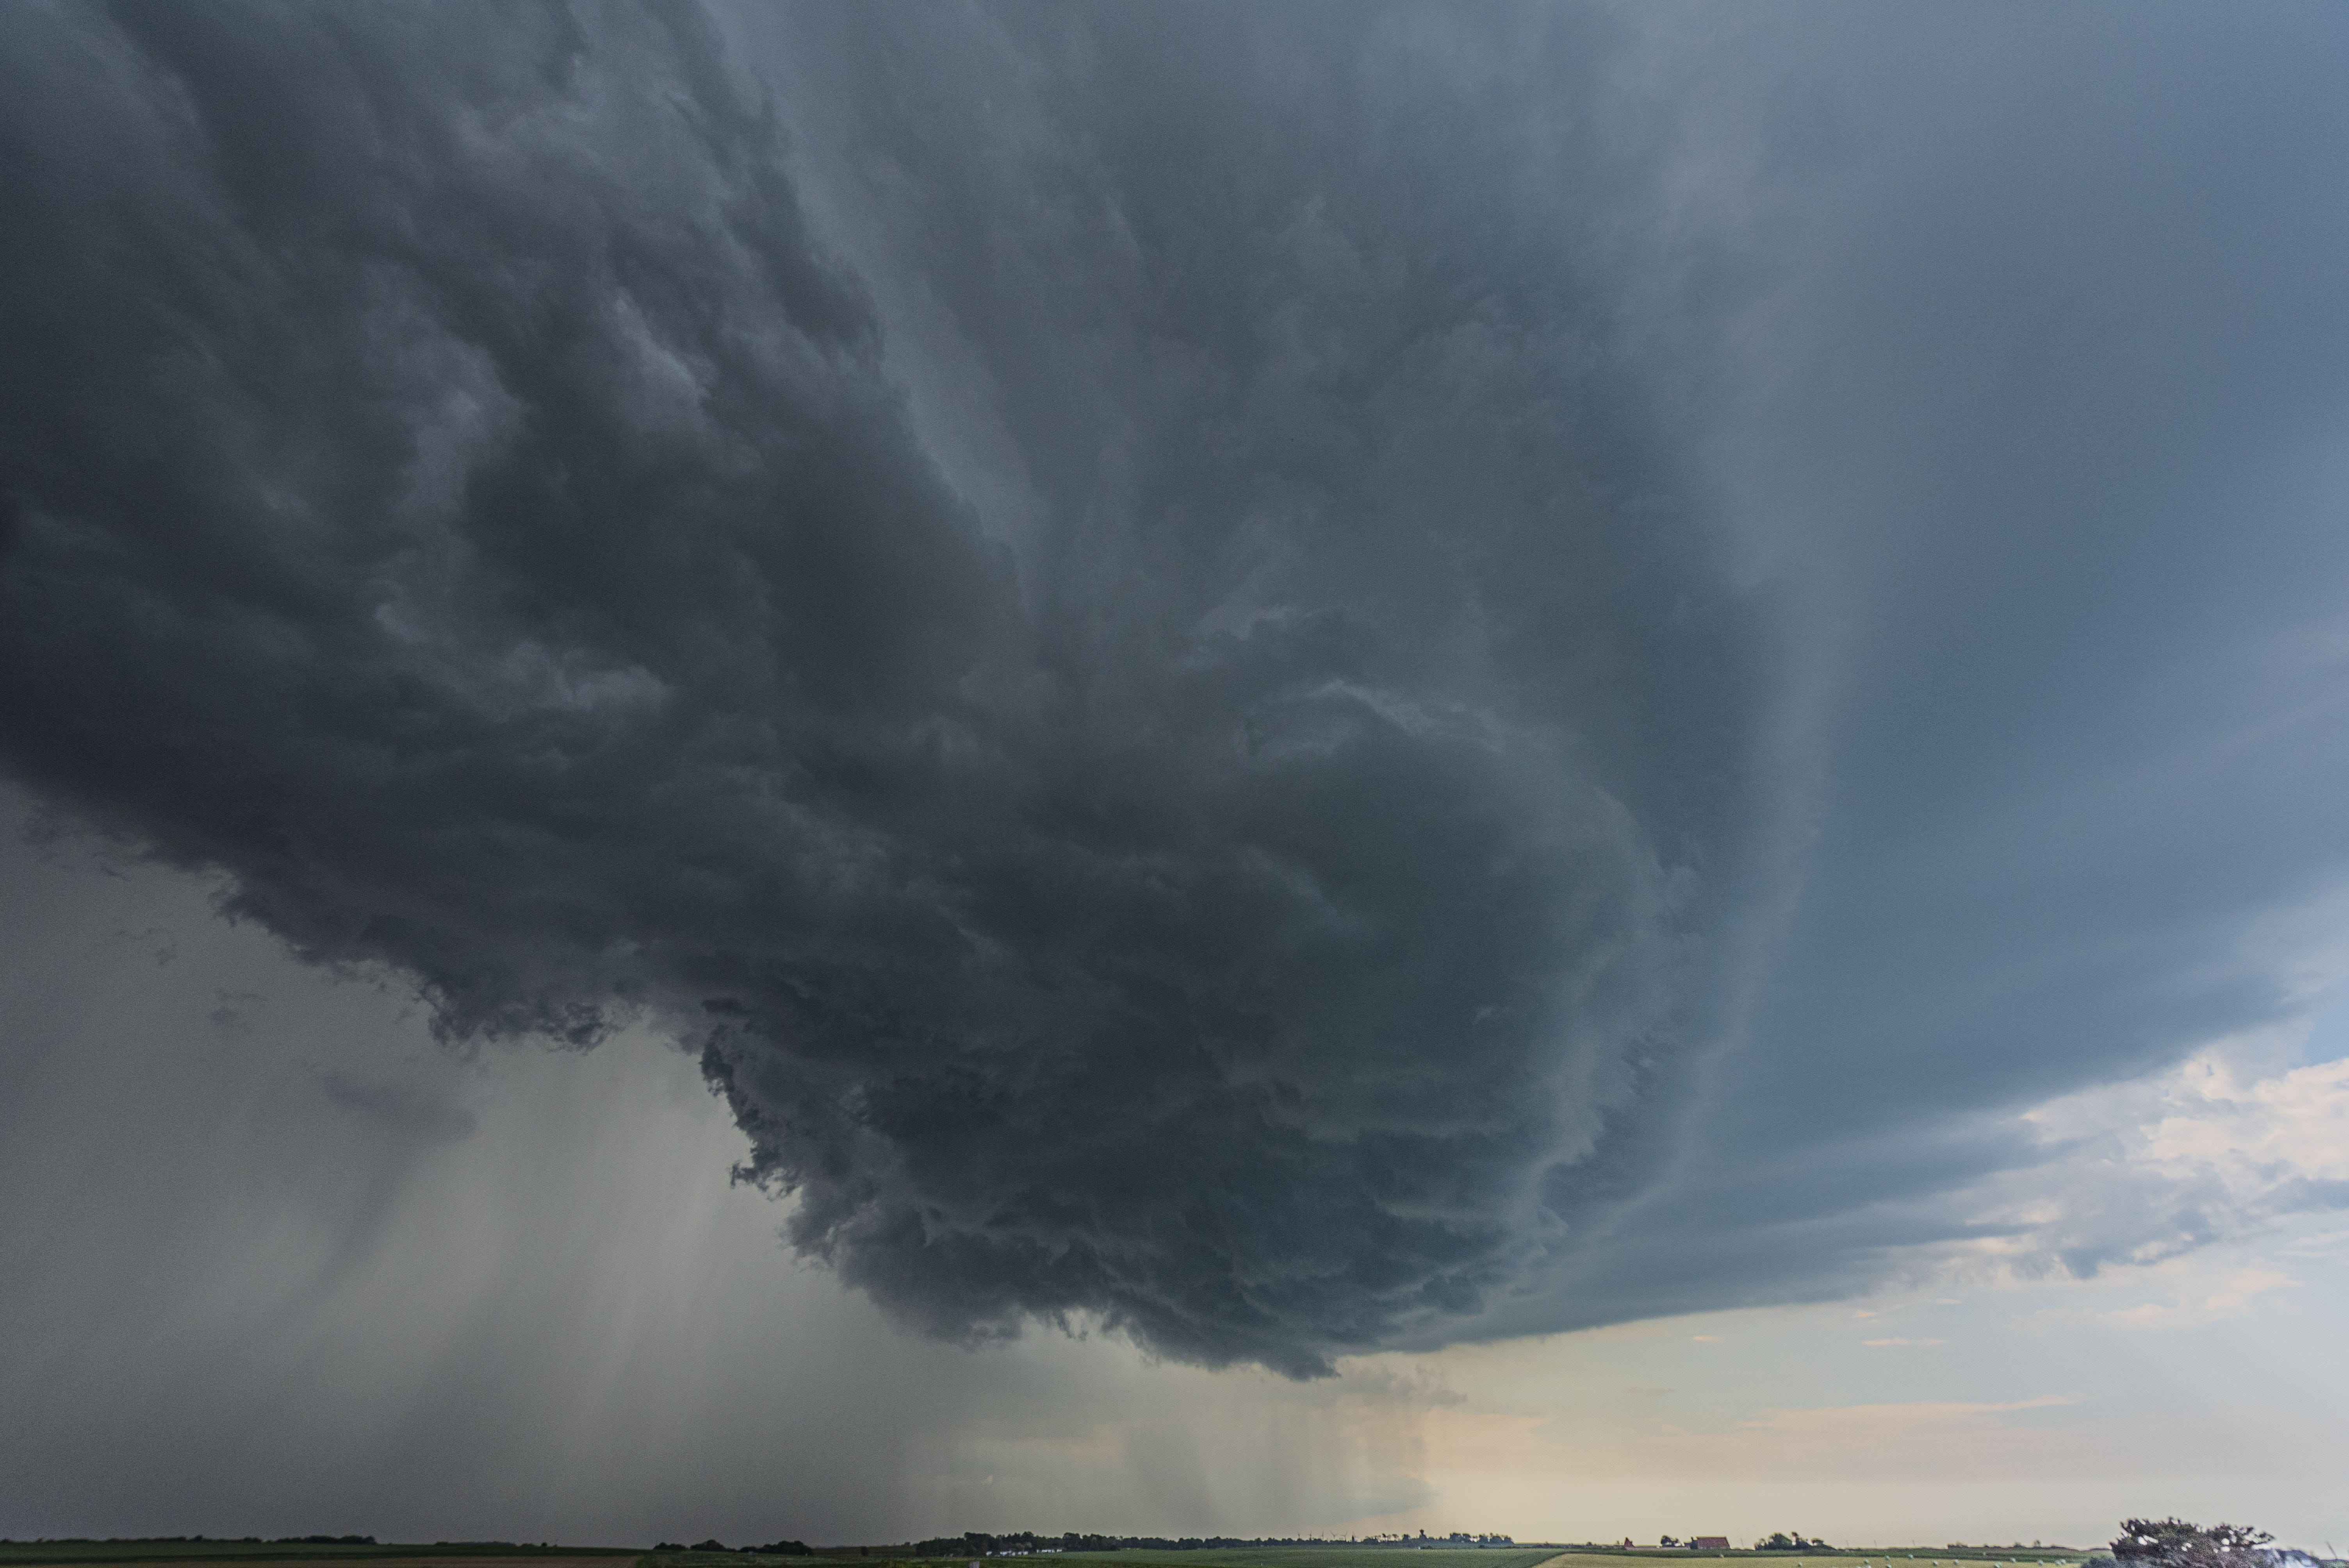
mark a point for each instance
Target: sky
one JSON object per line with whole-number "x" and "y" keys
{"x": 850, "y": 772}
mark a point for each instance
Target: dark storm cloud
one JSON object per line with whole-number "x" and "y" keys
{"x": 1258, "y": 884}
{"x": 2054, "y": 389}
{"x": 1206, "y": 653}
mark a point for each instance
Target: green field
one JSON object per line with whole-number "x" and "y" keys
{"x": 1321, "y": 1557}
{"x": 1143, "y": 1557}
{"x": 27, "y": 1552}
{"x": 1532, "y": 1556}
{"x": 66, "y": 1553}
{"x": 1957, "y": 1553}
{"x": 1650, "y": 1557}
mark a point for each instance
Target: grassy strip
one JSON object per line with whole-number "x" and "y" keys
{"x": 29, "y": 1553}
{"x": 1321, "y": 1557}
{"x": 66, "y": 1553}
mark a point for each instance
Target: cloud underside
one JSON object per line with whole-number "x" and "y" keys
{"x": 1249, "y": 891}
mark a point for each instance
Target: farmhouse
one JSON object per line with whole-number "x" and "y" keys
{"x": 1708, "y": 1543}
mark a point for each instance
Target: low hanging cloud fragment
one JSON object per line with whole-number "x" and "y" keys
{"x": 1257, "y": 897}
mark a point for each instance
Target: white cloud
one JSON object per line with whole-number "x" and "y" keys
{"x": 2232, "y": 1297}
{"x": 2221, "y": 1146}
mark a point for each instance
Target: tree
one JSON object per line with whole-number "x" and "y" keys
{"x": 2176, "y": 1544}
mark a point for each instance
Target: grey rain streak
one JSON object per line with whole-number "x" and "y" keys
{"x": 1298, "y": 678}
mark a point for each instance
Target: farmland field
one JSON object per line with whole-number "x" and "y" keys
{"x": 500, "y": 1554}
{"x": 1321, "y": 1557}
{"x": 291, "y": 1554}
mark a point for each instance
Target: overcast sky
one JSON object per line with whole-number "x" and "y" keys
{"x": 853, "y": 770}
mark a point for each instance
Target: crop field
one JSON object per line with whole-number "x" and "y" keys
{"x": 1379, "y": 1557}
{"x": 293, "y": 1555}
{"x": 1321, "y": 1557}
{"x": 501, "y": 1554}
{"x": 1923, "y": 1556}
{"x": 1552, "y": 1557}
{"x": 1842, "y": 1557}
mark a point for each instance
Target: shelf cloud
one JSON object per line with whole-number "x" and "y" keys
{"x": 1189, "y": 653}
{"x": 1251, "y": 893}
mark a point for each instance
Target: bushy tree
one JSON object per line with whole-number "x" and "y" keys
{"x": 2176, "y": 1544}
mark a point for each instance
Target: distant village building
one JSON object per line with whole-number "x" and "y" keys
{"x": 1708, "y": 1543}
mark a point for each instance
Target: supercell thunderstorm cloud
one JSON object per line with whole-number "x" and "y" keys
{"x": 1255, "y": 876}
{"x": 1292, "y": 680}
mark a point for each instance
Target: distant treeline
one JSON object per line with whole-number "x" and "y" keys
{"x": 226, "y": 1549}
{"x": 193, "y": 1539}
{"x": 773, "y": 1548}
{"x": 978, "y": 1544}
